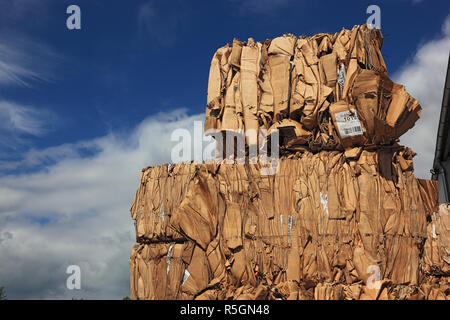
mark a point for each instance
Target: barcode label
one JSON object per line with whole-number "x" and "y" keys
{"x": 348, "y": 124}
{"x": 353, "y": 130}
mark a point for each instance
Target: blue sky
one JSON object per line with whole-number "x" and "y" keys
{"x": 82, "y": 111}
{"x": 136, "y": 59}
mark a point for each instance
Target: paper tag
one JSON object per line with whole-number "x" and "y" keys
{"x": 348, "y": 124}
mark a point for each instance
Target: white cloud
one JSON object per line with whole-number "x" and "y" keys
{"x": 424, "y": 78}
{"x": 76, "y": 211}
{"x": 22, "y": 119}
{"x": 23, "y": 60}
{"x": 19, "y": 123}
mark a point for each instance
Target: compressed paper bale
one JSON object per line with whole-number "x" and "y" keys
{"x": 298, "y": 78}
{"x": 315, "y": 228}
{"x": 285, "y": 231}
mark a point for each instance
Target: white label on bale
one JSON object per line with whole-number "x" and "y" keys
{"x": 169, "y": 253}
{"x": 185, "y": 276}
{"x": 348, "y": 124}
{"x": 324, "y": 202}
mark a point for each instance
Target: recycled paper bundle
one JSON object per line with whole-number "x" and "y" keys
{"x": 323, "y": 227}
{"x": 341, "y": 217}
{"x": 333, "y": 88}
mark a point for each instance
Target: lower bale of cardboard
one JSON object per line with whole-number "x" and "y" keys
{"x": 324, "y": 226}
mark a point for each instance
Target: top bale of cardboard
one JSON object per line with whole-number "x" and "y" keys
{"x": 328, "y": 91}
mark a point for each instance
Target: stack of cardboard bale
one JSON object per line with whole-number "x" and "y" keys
{"x": 333, "y": 90}
{"x": 343, "y": 217}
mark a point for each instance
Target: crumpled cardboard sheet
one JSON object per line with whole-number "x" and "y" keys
{"x": 429, "y": 193}
{"x": 314, "y": 230}
{"x": 160, "y": 192}
{"x": 435, "y": 262}
{"x": 335, "y": 86}
{"x": 437, "y": 248}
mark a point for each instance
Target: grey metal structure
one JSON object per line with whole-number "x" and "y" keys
{"x": 441, "y": 164}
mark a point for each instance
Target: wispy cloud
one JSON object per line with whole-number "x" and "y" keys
{"x": 23, "y": 119}
{"x": 24, "y": 61}
{"x": 76, "y": 211}
{"x": 424, "y": 78}
{"x": 19, "y": 124}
